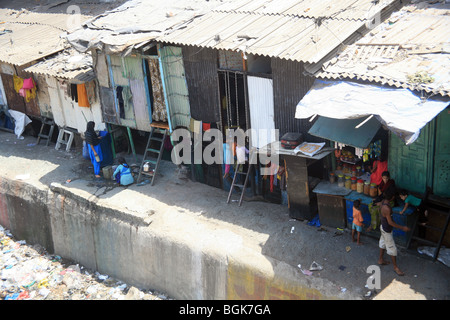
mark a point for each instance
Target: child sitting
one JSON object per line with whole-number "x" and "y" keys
{"x": 122, "y": 174}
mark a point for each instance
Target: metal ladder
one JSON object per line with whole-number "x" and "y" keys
{"x": 161, "y": 129}
{"x": 41, "y": 135}
{"x": 246, "y": 174}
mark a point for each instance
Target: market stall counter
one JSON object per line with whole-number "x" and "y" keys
{"x": 335, "y": 206}
{"x": 331, "y": 204}
{"x": 405, "y": 219}
{"x": 300, "y": 184}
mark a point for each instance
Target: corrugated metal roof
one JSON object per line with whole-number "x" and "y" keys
{"x": 27, "y": 36}
{"x": 413, "y": 42}
{"x": 296, "y": 30}
{"x": 285, "y": 37}
{"x": 342, "y": 9}
{"x": 68, "y": 64}
{"x": 136, "y": 22}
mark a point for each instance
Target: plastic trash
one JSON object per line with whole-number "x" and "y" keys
{"x": 315, "y": 221}
{"x": 143, "y": 183}
{"x": 315, "y": 266}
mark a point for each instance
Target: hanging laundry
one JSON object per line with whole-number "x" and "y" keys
{"x": 26, "y": 88}
{"x": 195, "y": 125}
{"x": 119, "y": 90}
{"x": 127, "y": 96}
{"x": 28, "y": 84}
{"x": 82, "y": 96}
{"x": 90, "y": 90}
{"x": 273, "y": 171}
{"x": 74, "y": 92}
{"x": 30, "y": 94}
{"x": 22, "y": 92}
{"x": 18, "y": 83}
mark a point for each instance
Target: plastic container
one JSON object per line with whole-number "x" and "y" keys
{"x": 332, "y": 177}
{"x": 107, "y": 172}
{"x": 360, "y": 186}
{"x": 353, "y": 186}
{"x": 367, "y": 188}
{"x": 341, "y": 180}
{"x": 373, "y": 192}
{"x": 348, "y": 182}
{"x": 346, "y": 168}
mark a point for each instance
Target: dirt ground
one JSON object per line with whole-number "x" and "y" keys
{"x": 264, "y": 226}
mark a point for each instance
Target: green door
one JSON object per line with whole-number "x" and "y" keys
{"x": 441, "y": 172}
{"x": 175, "y": 87}
{"x": 408, "y": 165}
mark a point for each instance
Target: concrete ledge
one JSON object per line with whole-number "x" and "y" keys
{"x": 145, "y": 248}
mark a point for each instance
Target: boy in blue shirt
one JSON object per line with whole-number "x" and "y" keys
{"x": 417, "y": 204}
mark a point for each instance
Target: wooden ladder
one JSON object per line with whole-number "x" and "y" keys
{"x": 238, "y": 173}
{"x": 41, "y": 135}
{"x": 162, "y": 130}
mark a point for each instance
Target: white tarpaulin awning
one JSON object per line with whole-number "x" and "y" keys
{"x": 400, "y": 110}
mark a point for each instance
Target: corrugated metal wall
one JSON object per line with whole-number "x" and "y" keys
{"x": 140, "y": 105}
{"x": 289, "y": 87}
{"x": 260, "y": 96}
{"x": 201, "y": 78}
{"x": 66, "y": 112}
{"x": 177, "y": 96}
{"x": 43, "y": 97}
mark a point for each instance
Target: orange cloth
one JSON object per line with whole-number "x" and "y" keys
{"x": 357, "y": 217}
{"x": 83, "y": 100}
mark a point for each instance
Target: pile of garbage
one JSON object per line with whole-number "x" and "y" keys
{"x": 28, "y": 272}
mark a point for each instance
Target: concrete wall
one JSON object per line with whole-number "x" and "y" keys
{"x": 124, "y": 246}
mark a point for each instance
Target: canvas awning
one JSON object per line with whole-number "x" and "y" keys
{"x": 400, "y": 110}
{"x": 346, "y": 130}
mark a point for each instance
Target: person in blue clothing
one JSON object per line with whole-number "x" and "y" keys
{"x": 95, "y": 151}
{"x": 122, "y": 174}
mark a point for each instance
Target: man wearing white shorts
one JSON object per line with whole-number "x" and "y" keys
{"x": 387, "y": 240}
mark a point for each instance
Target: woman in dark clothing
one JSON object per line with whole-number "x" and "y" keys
{"x": 387, "y": 185}
{"x": 95, "y": 152}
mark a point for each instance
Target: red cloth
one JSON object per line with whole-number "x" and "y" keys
{"x": 206, "y": 126}
{"x": 382, "y": 166}
{"x": 384, "y": 186}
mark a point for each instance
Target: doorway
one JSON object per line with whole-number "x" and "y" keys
{"x": 233, "y": 100}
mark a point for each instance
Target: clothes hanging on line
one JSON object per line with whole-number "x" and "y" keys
{"x": 74, "y": 92}
{"x": 83, "y": 100}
